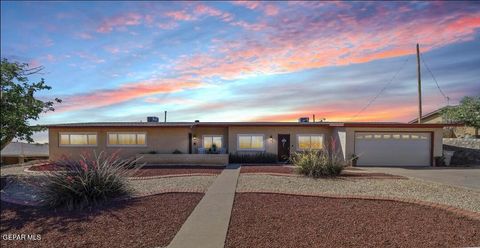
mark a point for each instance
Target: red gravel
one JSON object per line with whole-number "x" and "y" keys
{"x": 275, "y": 220}
{"x": 143, "y": 222}
{"x": 150, "y": 171}
{"x": 290, "y": 170}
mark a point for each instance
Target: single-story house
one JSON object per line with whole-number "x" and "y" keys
{"x": 376, "y": 143}
{"x": 19, "y": 152}
{"x": 459, "y": 131}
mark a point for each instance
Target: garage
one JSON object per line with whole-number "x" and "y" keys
{"x": 393, "y": 148}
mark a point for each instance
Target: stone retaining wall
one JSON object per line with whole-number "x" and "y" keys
{"x": 466, "y": 143}
{"x": 183, "y": 159}
{"x": 467, "y": 151}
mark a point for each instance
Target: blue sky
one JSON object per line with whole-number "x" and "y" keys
{"x": 244, "y": 61}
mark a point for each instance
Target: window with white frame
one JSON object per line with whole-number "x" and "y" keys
{"x": 251, "y": 142}
{"x": 210, "y": 140}
{"x": 310, "y": 141}
{"x": 78, "y": 139}
{"x": 127, "y": 139}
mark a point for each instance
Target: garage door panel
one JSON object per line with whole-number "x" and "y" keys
{"x": 393, "y": 149}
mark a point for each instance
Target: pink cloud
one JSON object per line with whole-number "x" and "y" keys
{"x": 120, "y": 21}
{"x": 126, "y": 92}
{"x": 180, "y": 15}
{"x": 271, "y": 10}
{"x": 247, "y": 4}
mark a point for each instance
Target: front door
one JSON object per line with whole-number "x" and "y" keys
{"x": 283, "y": 147}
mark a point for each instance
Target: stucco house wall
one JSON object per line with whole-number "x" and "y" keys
{"x": 160, "y": 140}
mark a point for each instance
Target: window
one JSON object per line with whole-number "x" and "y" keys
{"x": 248, "y": 142}
{"x": 310, "y": 141}
{"x": 209, "y": 140}
{"x": 127, "y": 139}
{"x": 78, "y": 139}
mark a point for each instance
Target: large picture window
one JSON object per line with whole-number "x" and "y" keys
{"x": 127, "y": 139}
{"x": 78, "y": 139}
{"x": 310, "y": 141}
{"x": 251, "y": 142}
{"x": 209, "y": 140}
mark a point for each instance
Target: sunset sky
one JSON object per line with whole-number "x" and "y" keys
{"x": 244, "y": 61}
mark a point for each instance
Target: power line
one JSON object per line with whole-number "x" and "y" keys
{"x": 382, "y": 90}
{"x": 434, "y": 79}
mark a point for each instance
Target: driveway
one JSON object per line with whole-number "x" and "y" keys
{"x": 468, "y": 177}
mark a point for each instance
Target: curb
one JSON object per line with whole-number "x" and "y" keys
{"x": 338, "y": 177}
{"x": 451, "y": 209}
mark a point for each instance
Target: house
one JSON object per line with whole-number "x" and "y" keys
{"x": 376, "y": 143}
{"x": 18, "y": 152}
{"x": 436, "y": 117}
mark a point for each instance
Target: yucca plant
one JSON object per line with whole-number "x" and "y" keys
{"x": 91, "y": 180}
{"x": 319, "y": 163}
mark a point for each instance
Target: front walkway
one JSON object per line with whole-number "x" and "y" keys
{"x": 207, "y": 225}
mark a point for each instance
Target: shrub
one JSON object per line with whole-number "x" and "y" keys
{"x": 253, "y": 158}
{"x": 177, "y": 152}
{"x": 149, "y": 152}
{"x": 317, "y": 163}
{"x": 88, "y": 181}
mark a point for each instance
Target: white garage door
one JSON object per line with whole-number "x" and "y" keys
{"x": 392, "y": 149}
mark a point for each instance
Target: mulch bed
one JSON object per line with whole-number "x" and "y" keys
{"x": 290, "y": 171}
{"x": 275, "y": 220}
{"x": 150, "y": 221}
{"x": 149, "y": 171}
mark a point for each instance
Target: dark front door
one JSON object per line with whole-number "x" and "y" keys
{"x": 283, "y": 147}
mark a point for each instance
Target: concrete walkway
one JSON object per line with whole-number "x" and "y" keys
{"x": 207, "y": 225}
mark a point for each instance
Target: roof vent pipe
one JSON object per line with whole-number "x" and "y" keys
{"x": 165, "y": 120}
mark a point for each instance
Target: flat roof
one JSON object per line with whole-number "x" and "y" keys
{"x": 226, "y": 124}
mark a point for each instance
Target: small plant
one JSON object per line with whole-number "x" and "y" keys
{"x": 256, "y": 158}
{"x": 353, "y": 160}
{"x": 213, "y": 149}
{"x": 177, "y": 152}
{"x": 440, "y": 161}
{"x": 88, "y": 181}
{"x": 149, "y": 152}
{"x": 317, "y": 163}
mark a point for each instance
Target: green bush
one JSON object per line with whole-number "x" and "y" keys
{"x": 254, "y": 158}
{"x": 177, "y": 152}
{"x": 88, "y": 181}
{"x": 317, "y": 163}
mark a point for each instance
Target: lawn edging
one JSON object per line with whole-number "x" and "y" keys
{"x": 172, "y": 175}
{"x": 458, "y": 211}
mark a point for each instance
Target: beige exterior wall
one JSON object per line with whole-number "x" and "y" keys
{"x": 199, "y": 132}
{"x": 271, "y": 145}
{"x": 161, "y": 140}
{"x": 183, "y": 159}
{"x": 437, "y": 137}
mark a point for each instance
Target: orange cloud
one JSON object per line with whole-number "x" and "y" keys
{"x": 125, "y": 93}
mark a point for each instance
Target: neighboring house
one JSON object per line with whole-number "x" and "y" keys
{"x": 377, "y": 144}
{"x": 18, "y": 152}
{"x": 436, "y": 117}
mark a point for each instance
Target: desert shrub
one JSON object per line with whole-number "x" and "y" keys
{"x": 252, "y": 158}
{"x": 177, "y": 152}
{"x": 89, "y": 181}
{"x": 317, "y": 163}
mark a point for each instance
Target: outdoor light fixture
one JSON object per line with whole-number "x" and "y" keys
{"x": 271, "y": 137}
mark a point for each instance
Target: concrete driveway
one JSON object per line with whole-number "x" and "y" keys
{"x": 468, "y": 177}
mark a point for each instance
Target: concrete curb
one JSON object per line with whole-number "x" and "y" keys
{"x": 332, "y": 178}
{"x": 173, "y": 175}
{"x": 451, "y": 209}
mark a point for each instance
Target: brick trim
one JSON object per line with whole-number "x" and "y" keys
{"x": 460, "y": 212}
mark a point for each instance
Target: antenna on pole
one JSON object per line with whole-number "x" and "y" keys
{"x": 419, "y": 86}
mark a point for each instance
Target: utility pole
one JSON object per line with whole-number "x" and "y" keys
{"x": 419, "y": 86}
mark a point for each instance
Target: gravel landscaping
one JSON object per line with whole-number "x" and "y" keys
{"x": 409, "y": 189}
{"x": 274, "y": 220}
{"x": 172, "y": 184}
{"x": 142, "y": 222}
{"x": 150, "y": 171}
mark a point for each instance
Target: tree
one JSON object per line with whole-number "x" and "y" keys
{"x": 467, "y": 112}
{"x": 18, "y": 103}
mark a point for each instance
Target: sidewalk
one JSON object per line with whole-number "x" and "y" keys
{"x": 207, "y": 225}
